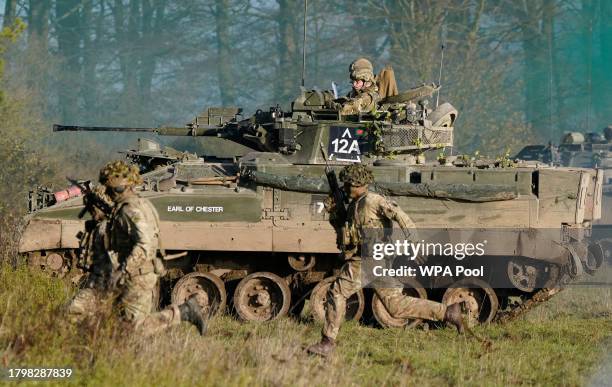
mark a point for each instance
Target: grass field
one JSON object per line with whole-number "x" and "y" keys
{"x": 564, "y": 342}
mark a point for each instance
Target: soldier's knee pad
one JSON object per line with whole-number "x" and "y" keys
{"x": 82, "y": 301}
{"x": 132, "y": 315}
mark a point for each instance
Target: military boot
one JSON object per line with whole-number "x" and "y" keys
{"x": 193, "y": 313}
{"x": 454, "y": 315}
{"x": 323, "y": 348}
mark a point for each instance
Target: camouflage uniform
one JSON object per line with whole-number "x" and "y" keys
{"x": 370, "y": 212}
{"x": 363, "y": 100}
{"x": 134, "y": 236}
{"x": 133, "y": 233}
{"x": 366, "y": 98}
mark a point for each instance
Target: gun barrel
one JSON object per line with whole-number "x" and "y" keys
{"x": 201, "y": 130}
{"x": 73, "y": 128}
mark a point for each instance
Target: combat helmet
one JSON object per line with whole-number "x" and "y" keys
{"x": 362, "y": 69}
{"x": 356, "y": 175}
{"x": 119, "y": 173}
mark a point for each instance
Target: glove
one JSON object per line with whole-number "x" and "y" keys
{"x": 119, "y": 275}
{"x": 118, "y": 278}
{"x": 329, "y": 204}
{"x": 334, "y": 105}
{"x": 113, "y": 257}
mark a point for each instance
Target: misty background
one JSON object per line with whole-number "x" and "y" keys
{"x": 534, "y": 68}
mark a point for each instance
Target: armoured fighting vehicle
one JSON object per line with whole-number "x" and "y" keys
{"x": 252, "y": 228}
{"x": 588, "y": 150}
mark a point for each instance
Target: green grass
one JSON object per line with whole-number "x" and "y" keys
{"x": 560, "y": 343}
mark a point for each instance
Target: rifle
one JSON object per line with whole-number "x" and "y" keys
{"x": 338, "y": 195}
{"x": 90, "y": 199}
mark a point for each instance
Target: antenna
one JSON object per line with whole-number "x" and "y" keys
{"x": 304, "y": 44}
{"x": 440, "y": 75}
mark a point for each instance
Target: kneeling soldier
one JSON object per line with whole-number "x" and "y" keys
{"x": 133, "y": 238}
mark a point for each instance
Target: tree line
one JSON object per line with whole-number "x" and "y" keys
{"x": 538, "y": 66}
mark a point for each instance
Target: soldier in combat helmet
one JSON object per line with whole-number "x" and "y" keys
{"x": 368, "y": 210}
{"x": 133, "y": 240}
{"x": 364, "y": 96}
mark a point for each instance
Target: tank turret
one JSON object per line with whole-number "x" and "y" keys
{"x": 402, "y": 128}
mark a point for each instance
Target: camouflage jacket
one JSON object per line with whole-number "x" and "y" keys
{"x": 96, "y": 243}
{"x": 364, "y": 100}
{"x": 134, "y": 234}
{"x": 93, "y": 257}
{"x": 372, "y": 216}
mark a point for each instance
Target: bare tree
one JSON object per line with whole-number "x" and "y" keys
{"x": 10, "y": 9}
{"x": 224, "y": 55}
{"x": 92, "y": 25}
{"x": 38, "y": 23}
{"x": 69, "y": 41}
{"x": 288, "y": 18}
{"x": 604, "y": 81}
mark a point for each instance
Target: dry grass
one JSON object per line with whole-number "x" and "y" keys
{"x": 559, "y": 343}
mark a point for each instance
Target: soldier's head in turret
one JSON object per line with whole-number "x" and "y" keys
{"x": 119, "y": 178}
{"x": 361, "y": 72}
{"x": 356, "y": 178}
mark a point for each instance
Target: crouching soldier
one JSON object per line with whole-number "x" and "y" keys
{"x": 368, "y": 210}
{"x": 132, "y": 240}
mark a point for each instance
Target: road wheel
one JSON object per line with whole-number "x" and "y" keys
{"x": 482, "y": 302}
{"x": 209, "y": 290}
{"x": 262, "y": 296}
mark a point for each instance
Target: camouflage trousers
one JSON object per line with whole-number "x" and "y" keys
{"x": 85, "y": 304}
{"x": 136, "y": 304}
{"x": 397, "y": 304}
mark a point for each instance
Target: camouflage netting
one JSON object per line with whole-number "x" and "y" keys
{"x": 466, "y": 192}
{"x": 288, "y": 183}
{"x": 356, "y": 174}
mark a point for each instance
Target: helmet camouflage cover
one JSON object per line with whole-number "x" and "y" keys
{"x": 119, "y": 173}
{"x": 361, "y": 69}
{"x": 356, "y": 174}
